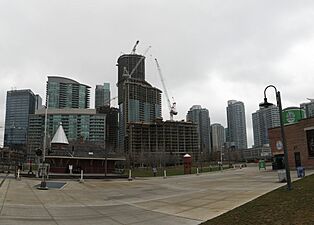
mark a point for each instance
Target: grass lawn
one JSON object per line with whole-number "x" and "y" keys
{"x": 171, "y": 171}
{"x": 277, "y": 207}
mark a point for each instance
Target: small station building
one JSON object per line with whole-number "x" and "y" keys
{"x": 299, "y": 140}
{"x": 92, "y": 159}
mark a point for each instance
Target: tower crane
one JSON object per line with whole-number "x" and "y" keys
{"x": 141, "y": 59}
{"x": 172, "y": 107}
{"x": 125, "y": 71}
{"x": 311, "y": 99}
{"x": 134, "y": 47}
{"x": 115, "y": 97}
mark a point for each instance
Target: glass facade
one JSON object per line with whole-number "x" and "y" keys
{"x": 67, "y": 93}
{"x": 19, "y": 105}
{"x": 77, "y": 125}
{"x": 147, "y": 109}
{"x": 53, "y": 90}
{"x": 134, "y": 110}
{"x": 236, "y": 124}
{"x": 102, "y": 95}
{"x": 200, "y": 116}
{"x": 262, "y": 120}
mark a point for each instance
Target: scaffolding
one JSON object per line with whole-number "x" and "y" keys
{"x": 163, "y": 142}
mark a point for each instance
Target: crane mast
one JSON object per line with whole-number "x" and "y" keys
{"x": 172, "y": 107}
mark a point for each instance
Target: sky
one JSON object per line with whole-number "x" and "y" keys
{"x": 209, "y": 51}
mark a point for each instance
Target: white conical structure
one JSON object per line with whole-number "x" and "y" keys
{"x": 60, "y": 137}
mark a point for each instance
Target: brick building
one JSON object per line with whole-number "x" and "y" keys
{"x": 300, "y": 143}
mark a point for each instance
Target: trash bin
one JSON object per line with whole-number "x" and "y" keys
{"x": 282, "y": 175}
{"x": 300, "y": 171}
{"x": 261, "y": 164}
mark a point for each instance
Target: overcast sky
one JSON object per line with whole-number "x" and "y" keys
{"x": 209, "y": 51}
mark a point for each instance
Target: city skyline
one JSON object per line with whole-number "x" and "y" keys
{"x": 211, "y": 53}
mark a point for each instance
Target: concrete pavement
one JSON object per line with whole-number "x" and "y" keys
{"x": 188, "y": 199}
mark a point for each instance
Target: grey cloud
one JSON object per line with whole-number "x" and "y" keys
{"x": 210, "y": 51}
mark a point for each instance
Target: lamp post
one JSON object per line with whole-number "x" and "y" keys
{"x": 221, "y": 154}
{"x": 105, "y": 149}
{"x": 43, "y": 184}
{"x": 266, "y": 104}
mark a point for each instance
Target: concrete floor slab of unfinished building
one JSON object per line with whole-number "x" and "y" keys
{"x": 188, "y": 199}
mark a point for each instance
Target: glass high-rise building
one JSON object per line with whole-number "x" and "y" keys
{"x": 38, "y": 102}
{"x": 67, "y": 93}
{"x": 200, "y": 116}
{"x": 19, "y": 105}
{"x": 102, "y": 95}
{"x": 263, "y": 119}
{"x": 78, "y": 124}
{"x": 308, "y": 107}
{"x": 236, "y": 124}
{"x": 217, "y": 136}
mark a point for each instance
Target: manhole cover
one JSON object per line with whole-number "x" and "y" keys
{"x": 52, "y": 185}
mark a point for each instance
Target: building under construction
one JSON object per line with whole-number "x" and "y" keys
{"x": 138, "y": 100}
{"x": 143, "y": 136}
{"x": 161, "y": 142}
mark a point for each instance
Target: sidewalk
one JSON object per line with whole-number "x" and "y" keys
{"x": 175, "y": 200}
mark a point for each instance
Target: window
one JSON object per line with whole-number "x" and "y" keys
{"x": 310, "y": 142}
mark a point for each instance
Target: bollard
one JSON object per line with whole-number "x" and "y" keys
{"x": 165, "y": 174}
{"x": 130, "y": 175}
{"x": 197, "y": 173}
{"x": 82, "y": 179}
{"x": 70, "y": 169}
{"x": 18, "y": 174}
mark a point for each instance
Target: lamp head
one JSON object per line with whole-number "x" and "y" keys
{"x": 265, "y": 104}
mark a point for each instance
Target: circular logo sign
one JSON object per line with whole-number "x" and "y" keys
{"x": 279, "y": 145}
{"x": 290, "y": 117}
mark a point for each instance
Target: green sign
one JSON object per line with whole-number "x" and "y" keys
{"x": 291, "y": 116}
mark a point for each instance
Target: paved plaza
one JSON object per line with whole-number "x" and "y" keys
{"x": 188, "y": 199}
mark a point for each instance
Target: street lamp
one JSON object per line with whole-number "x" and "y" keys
{"x": 43, "y": 184}
{"x": 105, "y": 149}
{"x": 266, "y": 104}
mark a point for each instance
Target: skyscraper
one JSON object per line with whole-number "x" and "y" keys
{"x": 218, "y": 136}
{"x": 102, "y": 95}
{"x": 19, "y": 105}
{"x": 38, "y": 102}
{"x": 138, "y": 100}
{"x": 200, "y": 116}
{"x": 67, "y": 93}
{"x": 112, "y": 126}
{"x": 263, "y": 119}
{"x": 308, "y": 108}
{"x": 236, "y": 124}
